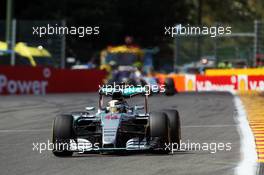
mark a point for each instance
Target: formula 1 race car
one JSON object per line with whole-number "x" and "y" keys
{"x": 131, "y": 75}
{"x": 116, "y": 127}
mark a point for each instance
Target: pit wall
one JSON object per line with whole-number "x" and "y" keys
{"x": 44, "y": 80}
{"x": 219, "y": 80}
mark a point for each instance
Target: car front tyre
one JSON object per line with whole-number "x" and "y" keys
{"x": 62, "y": 134}
{"x": 159, "y": 128}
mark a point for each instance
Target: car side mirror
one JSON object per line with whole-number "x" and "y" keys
{"x": 138, "y": 108}
{"x": 90, "y": 108}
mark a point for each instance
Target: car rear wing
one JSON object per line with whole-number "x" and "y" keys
{"x": 124, "y": 92}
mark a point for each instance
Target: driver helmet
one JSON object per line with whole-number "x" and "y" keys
{"x": 113, "y": 106}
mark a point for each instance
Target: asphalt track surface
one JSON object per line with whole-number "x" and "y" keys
{"x": 205, "y": 117}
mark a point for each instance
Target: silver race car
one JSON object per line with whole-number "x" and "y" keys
{"x": 116, "y": 127}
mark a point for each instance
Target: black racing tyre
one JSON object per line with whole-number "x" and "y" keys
{"x": 175, "y": 125}
{"x": 62, "y": 133}
{"x": 143, "y": 82}
{"x": 169, "y": 87}
{"x": 159, "y": 128}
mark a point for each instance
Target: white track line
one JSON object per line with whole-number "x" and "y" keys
{"x": 23, "y": 130}
{"x": 248, "y": 162}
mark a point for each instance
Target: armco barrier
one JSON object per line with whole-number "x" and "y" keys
{"x": 216, "y": 83}
{"x": 42, "y": 80}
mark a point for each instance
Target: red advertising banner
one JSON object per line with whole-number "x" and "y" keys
{"x": 229, "y": 83}
{"x": 42, "y": 80}
{"x": 256, "y": 83}
{"x": 216, "y": 83}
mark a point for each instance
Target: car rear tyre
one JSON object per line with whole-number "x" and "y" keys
{"x": 62, "y": 133}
